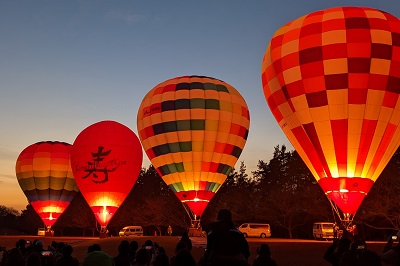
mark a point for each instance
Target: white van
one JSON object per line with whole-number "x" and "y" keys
{"x": 255, "y": 230}
{"x": 134, "y": 230}
{"x": 323, "y": 230}
{"x": 41, "y": 231}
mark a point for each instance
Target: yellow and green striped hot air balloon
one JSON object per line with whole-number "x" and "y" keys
{"x": 44, "y": 173}
{"x": 193, "y": 129}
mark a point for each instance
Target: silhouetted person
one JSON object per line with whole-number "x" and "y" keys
{"x": 46, "y": 256}
{"x": 66, "y": 259}
{"x": 226, "y": 245}
{"x": 97, "y": 257}
{"x": 161, "y": 259}
{"x": 143, "y": 257}
{"x": 94, "y": 247}
{"x": 58, "y": 250}
{"x": 33, "y": 260}
{"x": 183, "y": 258}
{"x": 123, "y": 258}
{"x": 336, "y": 250}
{"x": 391, "y": 255}
{"x": 21, "y": 245}
{"x": 133, "y": 247}
{"x": 264, "y": 256}
{"x": 180, "y": 245}
{"x": 13, "y": 257}
{"x": 359, "y": 255}
{"x": 185, "y": 238}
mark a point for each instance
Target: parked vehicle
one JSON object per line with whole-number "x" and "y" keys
{"x": 133, "y": 230}
{"x": 323, "y": 230}
{"x": 255, "y": 230}
{"x": 41, "y": 231}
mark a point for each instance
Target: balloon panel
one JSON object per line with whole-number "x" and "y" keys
{"x": 106, "y": 159}
{"x": 193, "y": 129}
{"x": 45, "y": 176}
{"x": 331, "y": 80}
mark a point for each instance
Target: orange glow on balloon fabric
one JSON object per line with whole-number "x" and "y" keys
{"x": 331, "y": 79}
{"x": 45, "y": 176}
{"x": 106, "y": 159}
{"x": 193, "y": 129}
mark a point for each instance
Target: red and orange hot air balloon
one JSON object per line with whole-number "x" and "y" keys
{"x": 44, "y": 173}
{"x": 106, "y": 159}
{"x": 193, "y": 129}
{"x": 331, "y": 79}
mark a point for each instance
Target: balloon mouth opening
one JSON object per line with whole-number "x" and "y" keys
{"x": 195, "y": 200}
{"x": 104, "y": 214}
{"x": 346, "y": 193}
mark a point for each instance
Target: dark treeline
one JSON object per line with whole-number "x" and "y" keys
{"x": 281, "y": 192}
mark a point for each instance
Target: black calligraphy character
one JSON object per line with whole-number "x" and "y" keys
{"x": 96, "y": 166}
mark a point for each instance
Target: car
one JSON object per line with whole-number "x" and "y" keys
{"x": 255, "y": 230}
{"x": 41, "y": 231}
{"x": 323, "y": 230}
{"x": 133, "y": 230}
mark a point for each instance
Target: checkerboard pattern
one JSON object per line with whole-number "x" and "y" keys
{"x": 45, "y": 176}
{"x": 332, "y": 81}
{"x": 193, "y": 129}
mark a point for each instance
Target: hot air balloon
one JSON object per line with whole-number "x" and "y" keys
{"x": 331, "y": 79}
{"x": 44, "y": 173}
{"x": 193, "y": 129}
{"x": 106, "y": 159}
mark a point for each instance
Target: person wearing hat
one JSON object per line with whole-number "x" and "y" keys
{"x": 391, "y": 254}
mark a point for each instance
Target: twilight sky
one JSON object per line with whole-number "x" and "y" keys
{"x": 65, "y": 65}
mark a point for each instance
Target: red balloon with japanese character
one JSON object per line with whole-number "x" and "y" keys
{"x": 106, "y": 159}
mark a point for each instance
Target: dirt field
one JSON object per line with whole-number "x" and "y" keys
{"x": 284, "y": 251}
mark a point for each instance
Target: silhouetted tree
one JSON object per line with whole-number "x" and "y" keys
{"x": 289, "y": 196}
{"x": 381, "y": 207}
{"x": 77, "y": 217}
{"x": 29, "y": 221}
{"x": 151, "y": 203}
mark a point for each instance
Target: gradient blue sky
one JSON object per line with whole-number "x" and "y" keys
{"x": 67, "y": 64}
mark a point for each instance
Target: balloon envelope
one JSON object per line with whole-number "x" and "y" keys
{"x": 193, "y": 130}
{"x": 331, "y": 79}
{"x": 106, "y": 159}
{"x": 44, "y": 173}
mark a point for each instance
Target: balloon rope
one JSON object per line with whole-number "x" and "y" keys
{"x": 346, "y": 220}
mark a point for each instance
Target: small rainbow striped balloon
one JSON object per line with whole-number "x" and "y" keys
{"x": 45, "y": 176}
{"x": 193, "y": 129}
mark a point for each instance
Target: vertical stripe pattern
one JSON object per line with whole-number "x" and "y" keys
{"x": 331, "y": 79}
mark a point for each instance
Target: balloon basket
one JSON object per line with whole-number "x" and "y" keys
{"x": 48, "y": 233}
{"x": 195, "y": 232}
{"x": 103, "y": 235}
{"x": 103, "y": 232}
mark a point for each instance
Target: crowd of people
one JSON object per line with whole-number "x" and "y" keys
{"x": 226, "y": 246}
{"x": 351, "y": 250}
